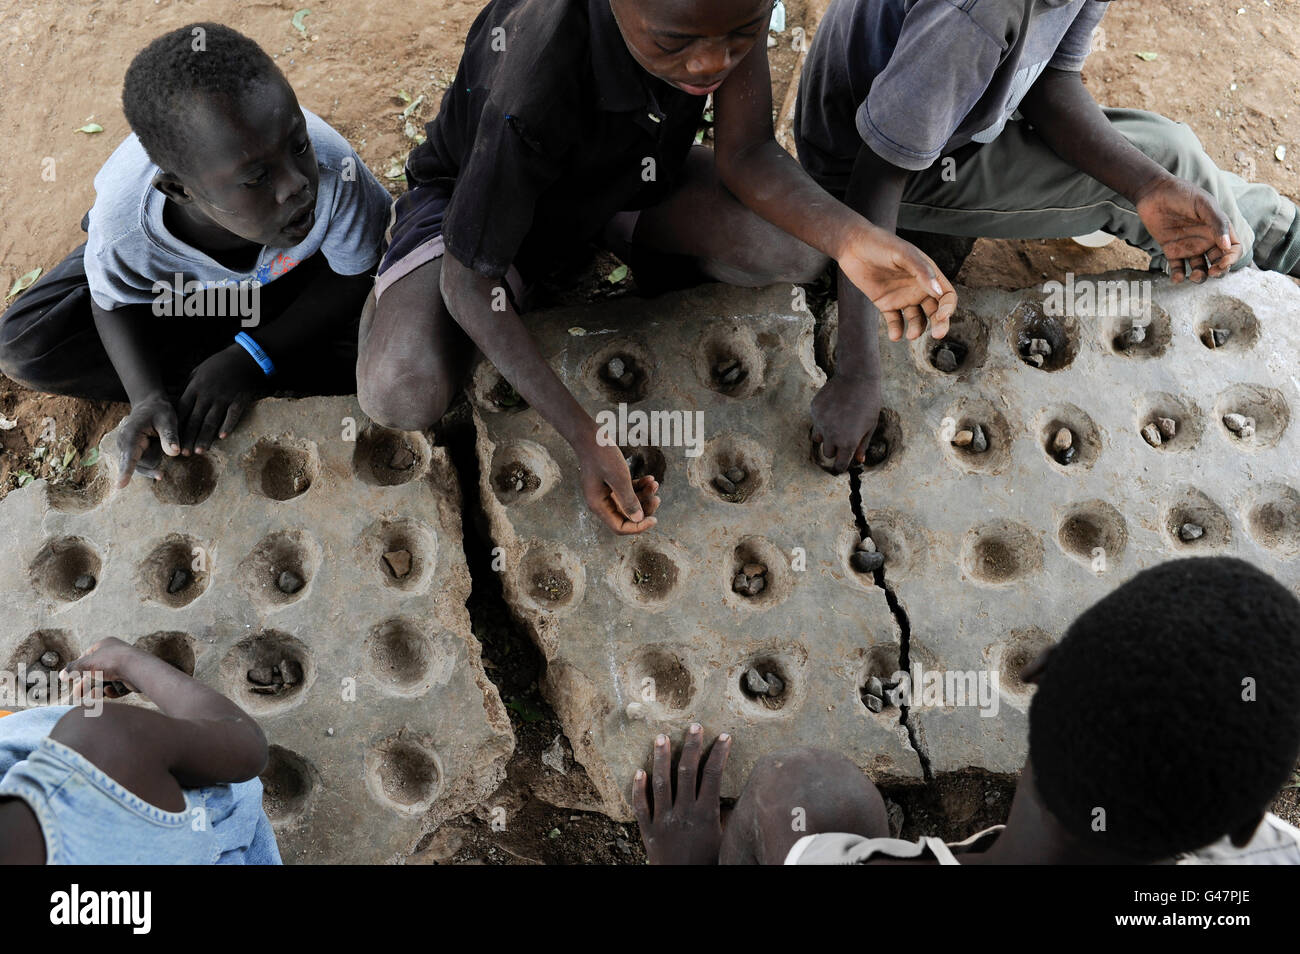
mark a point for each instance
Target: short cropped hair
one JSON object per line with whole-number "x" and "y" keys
{"x": 201, "y": 59}
{"x": 1169, "y": 715}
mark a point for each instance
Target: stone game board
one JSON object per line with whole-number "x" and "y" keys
{"x": 993, "y": 555}
{"x": 390, "y": 726}
{"x": 989, "y": 555}
{"x": 645, "y": 634}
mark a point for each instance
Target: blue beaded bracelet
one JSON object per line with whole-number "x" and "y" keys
{"x": 252, "y": 347}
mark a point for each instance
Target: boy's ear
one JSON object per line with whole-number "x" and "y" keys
{"x": 1037, "y": 666}
{"x": 172, "y": 187}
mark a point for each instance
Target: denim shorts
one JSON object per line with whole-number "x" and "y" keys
{"x": 87, "y": 818}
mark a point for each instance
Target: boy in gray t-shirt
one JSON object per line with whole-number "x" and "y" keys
{"x": 970, "y": 118}
{"x": 228, "y": 254}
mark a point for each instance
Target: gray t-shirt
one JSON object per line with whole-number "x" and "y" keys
{"x": 917, "y": 79}
{"x": 128, "y": 248}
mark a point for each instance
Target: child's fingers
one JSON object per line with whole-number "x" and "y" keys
{"x": 711, "y": 786}
{"x": 232, "y": 418}
{"x": 688, "y": 764}
{"x": 640, "y": 804}
{"x": 165, "y": 425}
{"x": 193, "y": 424}
{"x": 208, "y": 430}
{"x": 915, "y": 322}
{"x": 132, "y": 444}
{"x": 925, "y": 272}
{"x": 624, "y": 496}
{"x": 894, "y": 322}
{"x": 662, "y": 782}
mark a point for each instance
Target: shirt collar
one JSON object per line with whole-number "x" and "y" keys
{"x": 620, "y": 80}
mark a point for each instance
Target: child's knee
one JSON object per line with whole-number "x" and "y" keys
{"x": 403, "y": 398}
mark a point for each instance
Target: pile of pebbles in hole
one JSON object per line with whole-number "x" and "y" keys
{"x": 1134, "y": 335}
{"x": 1062, "y": 447}
{"x": 877, "y": 694}
{"x": 729, "y": 373}
{"x": 272, "y": 680}
{"x": 1240, "y": 425}
{"x": 616, "y": 372}
{"x": 1158, "y": 431}
{"x": 730, "y": 481}
{"x": 751, "y": 580}
{"x": 948, "y": 356}
{"x": 766, "y": 686}
{"x": 972, "y": 438}
{"x": 1215, "y": 337}
{"x": 866, "y": 558}
{"x": 1034, "y": 351}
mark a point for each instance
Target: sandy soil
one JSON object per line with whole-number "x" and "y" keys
{"x": 1230, "y": 69}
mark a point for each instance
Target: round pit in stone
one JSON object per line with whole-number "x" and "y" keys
{"x": 622, "y": 372}
{"x": 1192, "y": 511}
{"x": 1015, "y": 653}
{"x": 404, "y": 773}
{"x": 658, "y": 676}
{"x": 1265, "y": 406}
{"x": 1154, "y": 414}
{"x": 268, "y": 671}
{"x": 1144, "y": 336}
{"x": 282, "y": 468}
{"x": 186, "y": 481}
{"x": 280, "y": 568}
{"x": 1227, "y": 324}
{"x": 1273, "y": 518}
{"x": 492, "y": 393}
{"x": 966, "y": 344}
{"x": 1094, "y": 534}
{"x": 176, "y": 571}
{"x": 1001, "y": 552}
{"x": 1085, "y": 438}
{"x": 522, "y": 471}
{"x": 388, "y": 458}
{"x": 288, "y": 782}
{"x": 399, "y": 655}
{"x": 649, "y": 574}
{"x": 551, "y": 577}
{"x": 33, "y": 652}
{"x": 1031, "y": 324}
{"x": 729, "y": 361}
{"x": 66, "y": 569}
{"x": 172, "y": 647}
{"x": 886, "y": 446}
{"x": 969, "y": 425}
{"x": 400, "y": 552}
{"x": 743, "y": 465}
{"x": 86, "y": 496}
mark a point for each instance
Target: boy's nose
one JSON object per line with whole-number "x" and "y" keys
{"x": 710, "y": 61}
{"x": 292, "y": 182}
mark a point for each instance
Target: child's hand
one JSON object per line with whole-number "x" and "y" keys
{"x": 844, "y": 416}
{"x": 624, "y": 506}
{"x": 111, "y": 658}
{"x": 1192, "y": 229}
{"x": 900, "y": 281}
{"x": 686, "y": 829}
{"x": 218, "y": 392}
{"x": 152, "y": 417}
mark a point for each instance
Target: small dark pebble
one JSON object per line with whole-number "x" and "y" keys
{"x": 289, "y": 582}
{"x": 261, "y": 676}
{"x": 736, "y": 475}
{"x": 180, "y": 579}
{"x": 874, "y": 703}
{"x": 724, "y": 485}
{"x": 865, "y": 562}
{"x": 755, "y": 683}
{"x": 50, "y": 659}
{"x": 84, "y": 582}
{"x": 775, "y": 685}
{"x": 877, "y": 451}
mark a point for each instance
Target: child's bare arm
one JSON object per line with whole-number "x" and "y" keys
{"x": 1187, "y": 221}
{"x": 892, "y": 273}
{"x": 205, "y": 738}
{"x": 607, "y": 483}
{"x": 124, "y": 333}
{"x": 221, "y": 388}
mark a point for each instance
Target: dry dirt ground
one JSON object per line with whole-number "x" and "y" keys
{"x": 1229, "y": 69}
